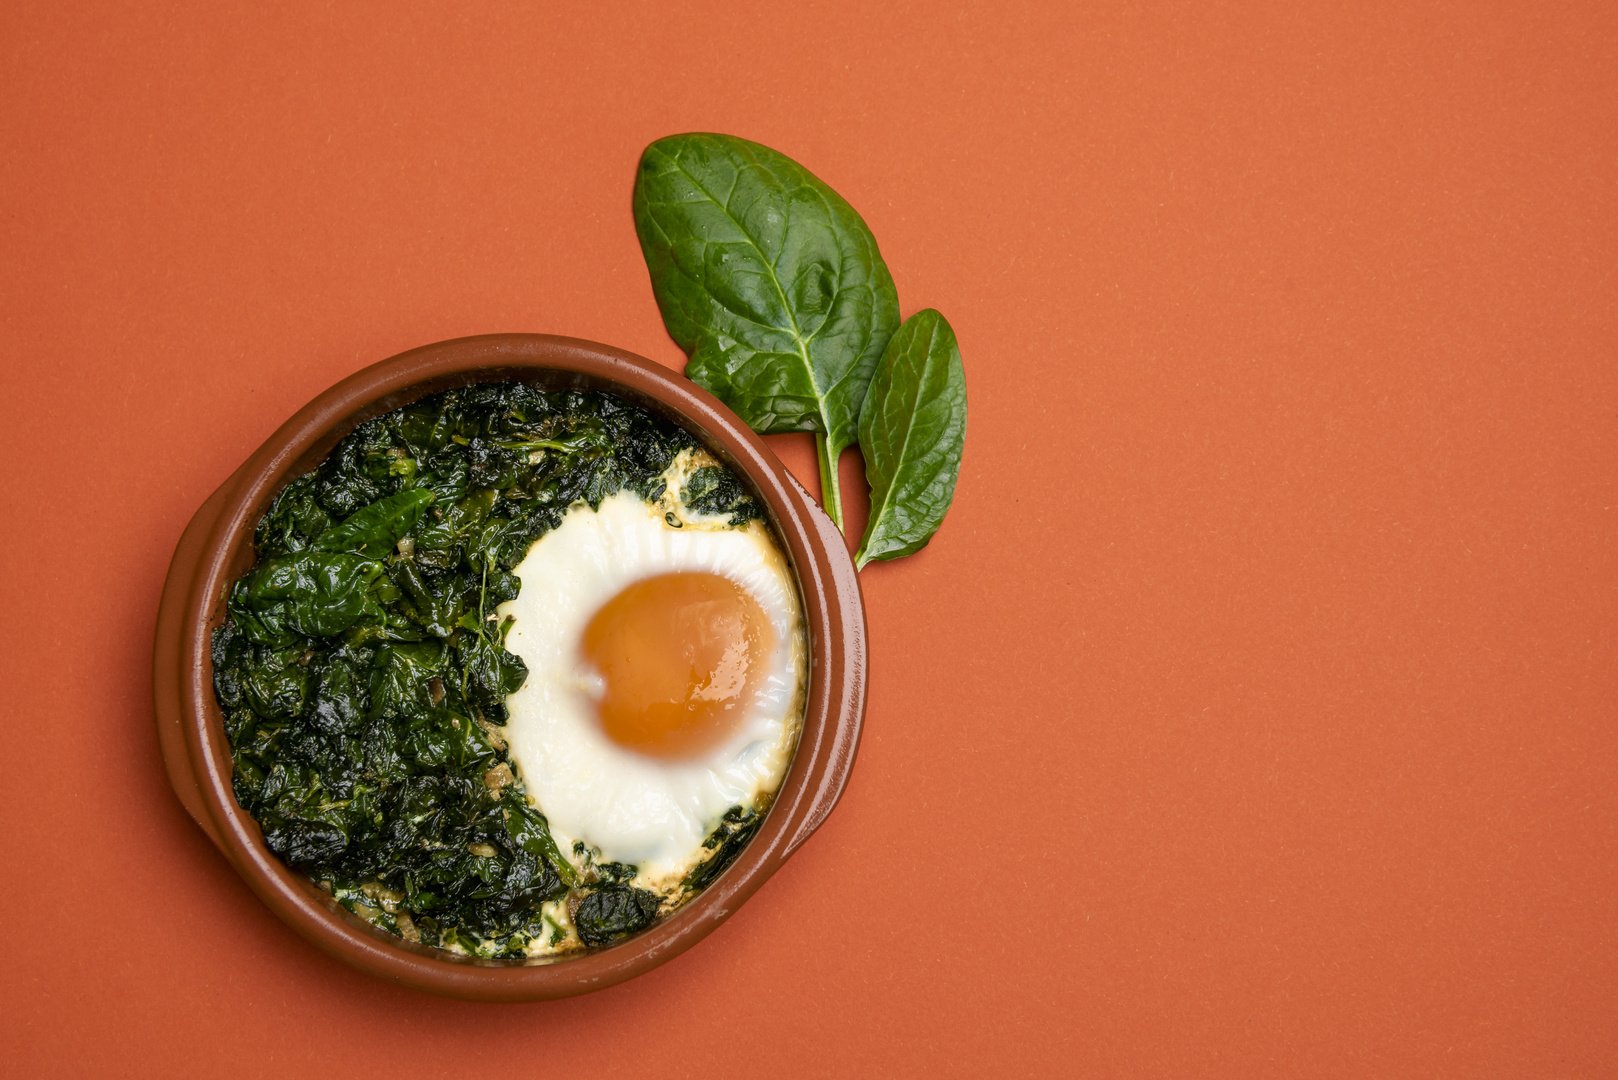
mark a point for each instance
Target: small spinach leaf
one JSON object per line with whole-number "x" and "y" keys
{"x": 341, "y": 697}
{"x": 489, "y": 673}
{"x": 770, "y": 282}
{"x": 912, "y": 429}
{"x": 276, "y": 688}
{"x": 401, "y": 676}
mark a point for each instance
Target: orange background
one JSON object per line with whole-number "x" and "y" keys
{"x": 1253, "y": 712}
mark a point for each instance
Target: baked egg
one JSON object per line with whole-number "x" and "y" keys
{"x": 667, "y": 668}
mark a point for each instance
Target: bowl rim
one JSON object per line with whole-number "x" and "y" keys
{"x": 216, "y": 547}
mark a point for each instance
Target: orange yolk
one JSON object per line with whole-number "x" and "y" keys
{"x": 681, "y": 655}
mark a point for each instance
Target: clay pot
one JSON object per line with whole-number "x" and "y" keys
{"x": 217, "y": 547}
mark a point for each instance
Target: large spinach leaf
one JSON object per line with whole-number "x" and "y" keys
{"x": 770, "y": 282}
{"x": 912, "y": 429}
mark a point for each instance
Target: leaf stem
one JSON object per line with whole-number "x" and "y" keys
{"x": 831, "y": 496}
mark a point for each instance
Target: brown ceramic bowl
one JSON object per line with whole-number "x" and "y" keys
{"x": 217, "y": 547}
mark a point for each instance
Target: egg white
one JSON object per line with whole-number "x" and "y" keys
{"x": 624, "y": 806}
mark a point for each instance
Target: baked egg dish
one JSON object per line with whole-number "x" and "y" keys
{"x": 516, "y": 674}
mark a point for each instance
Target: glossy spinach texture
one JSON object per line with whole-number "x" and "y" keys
{"x": 613, "y": 912}
{"x": 912, "y": 430}
{"x": 770, "y": 282}
{"x": 736, "y": 828}
{"x": 362, "y": 673}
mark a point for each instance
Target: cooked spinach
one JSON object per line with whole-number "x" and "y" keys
{"x": 363, "y": 680}
{"x": 714, "y": 489}
{"x": 735, "y": 829}
{"x": 309, "y": 593}
{"x": 770, "y": 282}
{"x": 374, "y": 530}
{"x": 912, "y": 429}
{"x": 614, "y": 912}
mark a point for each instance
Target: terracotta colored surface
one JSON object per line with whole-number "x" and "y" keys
{"x": 1254, "y": 712}
{"x": 216, "y": 549}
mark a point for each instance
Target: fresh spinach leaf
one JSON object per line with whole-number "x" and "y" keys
{"x": 770, "y": 282}
{"x": 375, "y": 529}
{"x": 912, "y": 429}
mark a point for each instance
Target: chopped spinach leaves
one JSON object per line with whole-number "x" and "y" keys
{"x": 614, "y": 912}
{"x": 363, "y": 680}
{"x": 735, "y": 829}
{"x": 714, "y": 489}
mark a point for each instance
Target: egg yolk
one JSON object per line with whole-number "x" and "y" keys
{"x": 681, "y": 655}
